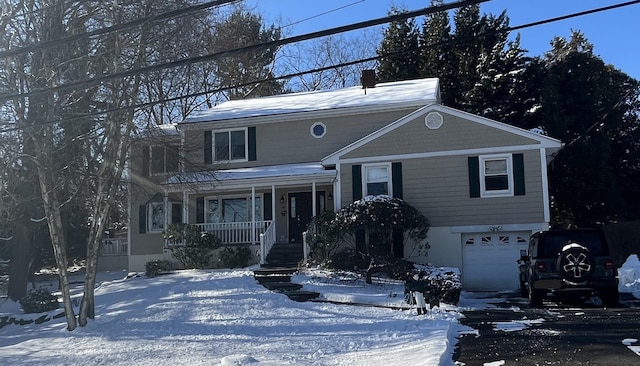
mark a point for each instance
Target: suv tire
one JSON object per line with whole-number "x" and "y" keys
{"x": 535, "y": 297}
{"x": 575, "y": 263}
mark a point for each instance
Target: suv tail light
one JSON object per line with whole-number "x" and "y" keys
{"x": 608, "y": 264}
{"x": 540, "y": 267}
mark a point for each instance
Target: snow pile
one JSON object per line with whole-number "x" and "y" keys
{"x": 629, "y": 275}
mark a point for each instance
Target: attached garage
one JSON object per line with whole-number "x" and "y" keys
{"x": 489, "y": 260}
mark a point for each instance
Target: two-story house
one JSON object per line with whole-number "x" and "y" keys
{"x": 268, "y": 165}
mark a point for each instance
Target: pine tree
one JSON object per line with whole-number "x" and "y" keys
{"x": 399, "y": 51}
{"x": 590, "y": 107}
{"x": 436, "y": 54}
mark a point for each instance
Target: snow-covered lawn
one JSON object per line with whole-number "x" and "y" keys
{"x": 224, "y": 317}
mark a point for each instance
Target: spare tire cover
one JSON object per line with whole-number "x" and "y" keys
{"x": 575, "y": 263}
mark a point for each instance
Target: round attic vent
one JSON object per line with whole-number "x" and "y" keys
{"x": 433, "y": 120}
{"x": 318, "y": 130}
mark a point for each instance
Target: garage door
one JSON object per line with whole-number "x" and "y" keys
{"x": 489, "y": 260}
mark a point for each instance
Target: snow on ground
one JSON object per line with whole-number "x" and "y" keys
{"x": 224, "y": 317}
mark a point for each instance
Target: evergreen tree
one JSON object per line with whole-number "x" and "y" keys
{"x": 590, "y": 107}
{"x": 436, "y": 54}
{"x": 243, "y": 28}
{"x": 399, "y": 52}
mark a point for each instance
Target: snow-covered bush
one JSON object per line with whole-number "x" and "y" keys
{"x": 191, "y": 246}
{"x": 371, "y": 226}
{"x": 39, "y": 301}
{"x": 234, "y": 257}
{"x": 437, "y": 284}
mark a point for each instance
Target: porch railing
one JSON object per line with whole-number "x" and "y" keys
{"x": 114, "y": 246}
{"x": 267, "y": 240}
{"x": 237, "y": 232}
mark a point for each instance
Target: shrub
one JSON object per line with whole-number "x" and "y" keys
{"x": 191, "y": 246}
{"x": 39, "y": 301}
{"x": 156, "y": 267}
{"x": 234, "y": 257}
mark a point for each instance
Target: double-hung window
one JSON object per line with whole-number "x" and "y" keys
{"x": 163, "y": 159}
{"x": 377, "y": 180}
{"x": 496, "y": 175}
{"x": 230, "y": 145}
{"x": 156, "y": 215}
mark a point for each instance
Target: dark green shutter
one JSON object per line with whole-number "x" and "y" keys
{"x": 142, "y": 218}
{"x": 267, "y": 213}
{"x": 200, "y": 210}
{"x": 145, "y": 160}
{"x": 396, "y": 179}
{"x": 208, "y": 147}
{"x": 474, "y": 177}
{"x": 252, "y": 143}
{"x": 356, "y": 175}
{"x": 518, "y": 175}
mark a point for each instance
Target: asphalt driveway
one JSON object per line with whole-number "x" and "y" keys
{"x": 558, "y": 334}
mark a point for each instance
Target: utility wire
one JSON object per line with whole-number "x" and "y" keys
{"x": 325, "y": 68}
{"x": 134, "y": 23}
{"x": 321, "y": 14}
{"x": 252, "y": 48}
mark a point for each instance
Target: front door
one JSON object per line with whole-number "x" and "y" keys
{"x": 300, "y": 214}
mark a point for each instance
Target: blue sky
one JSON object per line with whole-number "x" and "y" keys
{"x": 614, "y": 33}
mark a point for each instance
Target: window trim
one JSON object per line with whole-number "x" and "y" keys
{"x": 167, "y": 210}
{"x": 228, "y": 131}
{"x": 365, "y": 191}
{"x": 509, "y": 192}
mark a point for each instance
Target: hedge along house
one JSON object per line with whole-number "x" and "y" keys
{"x": 268, "y": 165}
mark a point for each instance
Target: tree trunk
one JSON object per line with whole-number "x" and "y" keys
{"x": 56, "y": 232}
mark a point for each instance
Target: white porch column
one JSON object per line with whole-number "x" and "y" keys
{"x": 167, "y": 210}
{"x": 185, "y": 207}
{"x": 253, "y": 214}
{"x": 313, "y": 199}
{"x": 273, "y": 211}
{"x": 337, "y": 192}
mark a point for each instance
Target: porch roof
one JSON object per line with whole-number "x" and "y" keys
{"x": 286, "y": 174}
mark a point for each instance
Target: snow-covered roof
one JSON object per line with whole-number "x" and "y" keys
{"x": 293, "y": 172}
{"x": 417, "y": 92}
{"x": 169, "y": 129}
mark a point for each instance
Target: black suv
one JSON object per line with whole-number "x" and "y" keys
{"x": 563, "y": 263}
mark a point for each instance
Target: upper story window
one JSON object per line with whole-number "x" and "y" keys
{"x": 230, "y": 145}
{"x": 377, "y": 180}
{"x": 163, "y": 159}
{"x": 496, "y": 175}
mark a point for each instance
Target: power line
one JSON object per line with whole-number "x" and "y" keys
{"x": 325, "y": 68}
{"x": 324, "y": 13}
{"x": 134, "y": 23}
{"x": 252, "y": 48}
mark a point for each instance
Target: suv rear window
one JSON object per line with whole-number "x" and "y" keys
{"x": 551, "y": 243}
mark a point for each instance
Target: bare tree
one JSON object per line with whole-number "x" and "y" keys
{"x": 328, "y": 54}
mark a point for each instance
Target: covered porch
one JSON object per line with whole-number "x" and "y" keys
{"x": 252, "y": 206}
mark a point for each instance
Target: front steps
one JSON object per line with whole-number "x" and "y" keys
{"x": 275, "y": 274}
